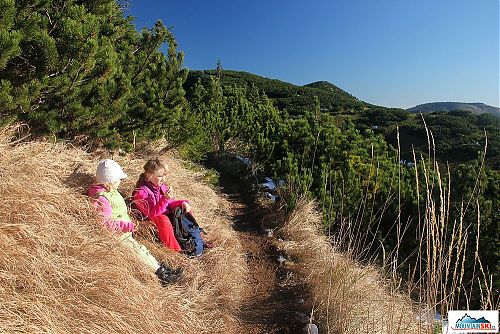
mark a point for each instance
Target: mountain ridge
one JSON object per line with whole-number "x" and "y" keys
{"x": 476, "y": 108}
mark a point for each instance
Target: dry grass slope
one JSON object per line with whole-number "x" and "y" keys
{"x": 348, "y": 297}
{"x": 61, "y": 272}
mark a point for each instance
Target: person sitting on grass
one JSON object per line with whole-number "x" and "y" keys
{"x": 114, "y": 209}
{"x": 155, "y": 201}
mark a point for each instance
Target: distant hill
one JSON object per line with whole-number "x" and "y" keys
{"x": 286, "y": 96}
{"x": 475, "y": 108}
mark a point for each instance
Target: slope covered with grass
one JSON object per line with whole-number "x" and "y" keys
{"x": 61, "y": 272}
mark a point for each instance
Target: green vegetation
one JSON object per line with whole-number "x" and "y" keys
{"x": 286, "y": 97}
{"x": 459, "y": 136}
{"x": 73, "y": 68}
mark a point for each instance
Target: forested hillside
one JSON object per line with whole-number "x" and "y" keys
{"x": 461, "y": 133}
{"x": 287, "y": 97}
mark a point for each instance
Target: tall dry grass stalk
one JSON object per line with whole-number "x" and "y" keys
{"x": 62, "y": 272}
{"x": 348, "y": 297}
{"x": 445, "y": 248}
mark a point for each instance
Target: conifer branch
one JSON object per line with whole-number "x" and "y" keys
{"x": 76, "y": 77}
{"x": 26, "y": 61}
{"x": 144, "y": 64}
{"x": 62, "y": 70}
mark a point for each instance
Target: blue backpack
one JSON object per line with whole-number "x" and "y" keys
{"x": 187, "y": 232}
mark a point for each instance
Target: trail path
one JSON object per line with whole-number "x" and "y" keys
{"x": 275, "y": 303}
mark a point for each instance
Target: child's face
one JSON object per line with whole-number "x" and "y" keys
{"x": 116, "y": 184}
{"x": 158, "y": 178}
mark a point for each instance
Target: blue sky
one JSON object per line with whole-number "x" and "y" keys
{"x": 395, "y": 53}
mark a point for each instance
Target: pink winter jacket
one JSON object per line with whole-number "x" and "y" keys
{"x": 102, "y": 204}
{"x": 150, "y": 200}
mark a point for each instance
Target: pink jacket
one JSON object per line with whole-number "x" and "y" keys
{"x": 104, "y": 207}
{"x": 150, "y": 200}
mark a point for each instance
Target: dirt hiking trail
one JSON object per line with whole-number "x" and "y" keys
{"x": 275, "y": 303}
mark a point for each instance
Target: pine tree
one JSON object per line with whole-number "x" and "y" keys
{"x": 80, "y": 67}
{"x": 158, "y": 106}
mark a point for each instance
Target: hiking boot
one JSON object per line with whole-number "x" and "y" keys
{"x": 174, "y": 272}
{"x": 192, "y": 255}
{"x": 166, "y": 268}
{"x": 167, "y": 278}
{"x": 168, "y": 275}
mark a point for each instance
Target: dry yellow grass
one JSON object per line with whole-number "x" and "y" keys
{"x": 348, "y": 297}
{"x": 62, "y": 272}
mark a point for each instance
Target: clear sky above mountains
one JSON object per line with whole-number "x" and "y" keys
{"x": 388, "y": 52}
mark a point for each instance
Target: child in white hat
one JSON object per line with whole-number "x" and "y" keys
{"x": 114, "y": 209}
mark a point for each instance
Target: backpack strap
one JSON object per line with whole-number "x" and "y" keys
{"x": 179, "y": 230}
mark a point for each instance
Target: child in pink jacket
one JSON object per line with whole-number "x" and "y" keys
{"x": 154, "y": 199}
{"x": 115, "y": 212}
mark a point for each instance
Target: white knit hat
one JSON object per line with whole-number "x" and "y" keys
{"x": 108, "y": 171}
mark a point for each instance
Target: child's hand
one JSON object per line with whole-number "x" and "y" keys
{"x": 170, "y": 193}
